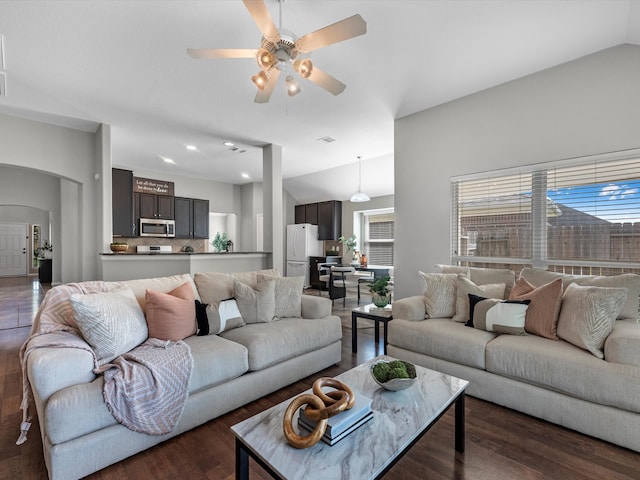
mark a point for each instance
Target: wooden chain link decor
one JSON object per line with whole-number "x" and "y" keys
{"x": 319, "y": 407}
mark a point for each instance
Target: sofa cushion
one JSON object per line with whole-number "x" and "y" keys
{"x": 544, "y": 309}
{"x": 629, "y": 281}
{"x": 497, "y": 315}
{"x": 439, "y": 294}
{"x": 623, "y": 343}
{"x": 159, "y": 284}
{"x": 256, "y": 304}
{"x": 484, "y": 276}
{"x": 562, "y": 367}
{"x": 171, "y": 315}
{"x": 588, "y": 315}
{"x": 441, "y": 338}
{"x": 464, "y": 287}
{"x": 215, "y": 360}
{"x": 80, "y": 409}
{"x": 111, "y": 322}
{"x": 214, "y": 287}
{"x": 275, "y": 342}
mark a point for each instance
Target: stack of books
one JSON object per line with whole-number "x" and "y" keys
{"x": 342, "y": 424}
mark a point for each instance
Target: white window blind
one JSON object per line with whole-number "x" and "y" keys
{"x": 579, "y": 216}
{"x": 379, "y": 234}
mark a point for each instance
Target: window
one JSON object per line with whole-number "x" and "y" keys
{"x": 378, "y": 237}
{"x": 580, "y": 216}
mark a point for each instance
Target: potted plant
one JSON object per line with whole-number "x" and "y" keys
{"x": 380, "y": 294}
{"x": 45, "y": 251}
{"x": 220, "y": 242}
{"x": 350, "y": 245}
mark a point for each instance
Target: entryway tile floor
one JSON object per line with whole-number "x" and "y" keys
{"x": 20, "y": 298}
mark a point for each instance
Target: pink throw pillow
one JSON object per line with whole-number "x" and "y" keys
{"x": 544, "y": 309}
{"x": 171, "y": 315}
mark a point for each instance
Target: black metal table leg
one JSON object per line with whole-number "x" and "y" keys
{"x": 242, "y": 461}
{"x": 354, "y": 332}
{"x": 460, "y": 423}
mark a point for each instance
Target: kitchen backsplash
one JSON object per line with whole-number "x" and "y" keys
{"x": 177, "y": 244}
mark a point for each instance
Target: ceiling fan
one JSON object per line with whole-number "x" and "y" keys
{"x": 281, "y": 49}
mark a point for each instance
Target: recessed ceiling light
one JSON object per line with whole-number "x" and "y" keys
{"x": 191, "y": 147}
{"x": 245, "y": 175}
{"x": 228, "y": 144}
{"x": 167, "y": 160}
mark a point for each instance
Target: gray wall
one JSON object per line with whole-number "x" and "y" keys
{"x": 70, "y": 157}
{"x": 588, "y": 106}
{"x": 348, "y": 209}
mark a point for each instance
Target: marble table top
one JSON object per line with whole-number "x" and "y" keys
{"x": 398, "y": 419}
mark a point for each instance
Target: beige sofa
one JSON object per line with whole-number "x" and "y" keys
{"x": 80, "y": 436}
{"x": 551, "y": 379}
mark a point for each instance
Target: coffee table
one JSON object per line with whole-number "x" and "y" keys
{"x": 370, "y": 312}
{"x": 399, "y": 420}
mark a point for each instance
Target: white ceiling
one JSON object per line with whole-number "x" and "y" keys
{"x": 124, "y": 63}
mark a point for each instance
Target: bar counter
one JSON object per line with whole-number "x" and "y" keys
{"x": 129, "y": 266}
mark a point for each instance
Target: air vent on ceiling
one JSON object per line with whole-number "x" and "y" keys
{"x": 3, "y": 84}
{"x": 326, "y": 139}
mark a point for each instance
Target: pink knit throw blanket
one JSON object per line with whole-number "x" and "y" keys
{"x": 146, "y": 388}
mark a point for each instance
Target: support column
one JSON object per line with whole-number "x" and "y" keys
{"x": 272, "y": 198}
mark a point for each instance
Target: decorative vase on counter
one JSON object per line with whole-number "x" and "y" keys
{"x": 379, "y": 300}
{"x": 363, "y": 260}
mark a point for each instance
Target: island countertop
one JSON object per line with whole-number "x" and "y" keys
{"x": 130, "y": 266}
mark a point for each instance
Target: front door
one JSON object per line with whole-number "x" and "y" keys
{"x": 13, "y": 249}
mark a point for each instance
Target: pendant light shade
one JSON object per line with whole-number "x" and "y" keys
{"x": 360, "y": 196}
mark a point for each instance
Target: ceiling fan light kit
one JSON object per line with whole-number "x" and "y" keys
{"x": 280, "y": 48}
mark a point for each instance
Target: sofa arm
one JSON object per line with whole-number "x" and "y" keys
{"x": 409, "y": 308}
{"x": 623, "y": 343}
{"x": 315, "y": 307}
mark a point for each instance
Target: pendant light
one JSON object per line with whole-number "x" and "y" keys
{"x": 359, "y": 196}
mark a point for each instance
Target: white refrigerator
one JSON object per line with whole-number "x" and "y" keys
{"x": 302, "y": 243}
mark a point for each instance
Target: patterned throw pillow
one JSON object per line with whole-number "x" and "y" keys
{"x": 497, "y": 315}
{"x": 288, "y": 294}
{"x": 588, "y": 314}
{"x": 256, "y": 305}
{"x": 544, "y": 310}
{"x": 111, "y": 322}
{"x": 439, "y": 294}
{"x": 464, "y": 287}
{"x": 171, "y": 315}
{"x": 218, "y": 317}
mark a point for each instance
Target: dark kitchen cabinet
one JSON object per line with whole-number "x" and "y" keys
{"x": 156, "y": 206}
{"x": 311, "y": 213}
{"x": 123, "y": 220}
{"x": 192, "y": 217}
{"x": 200, "y": 218}
{"x": 329, "y": 220}
{"x": 300, "y": 215}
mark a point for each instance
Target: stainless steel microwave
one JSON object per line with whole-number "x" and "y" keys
{"x": 152, "y": 227}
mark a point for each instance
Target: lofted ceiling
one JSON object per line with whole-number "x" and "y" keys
{"x": 124, "y": 63}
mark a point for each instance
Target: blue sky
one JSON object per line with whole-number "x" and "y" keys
{"x": 617, "y": 202}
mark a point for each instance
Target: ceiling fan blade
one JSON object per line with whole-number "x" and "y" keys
{"x": 258, "y": 10}
{"x": 264, "y": 95}
{"x": 337, "y": 32}
{"x": 326, "y": 81}
{"x": 222, "y": 52}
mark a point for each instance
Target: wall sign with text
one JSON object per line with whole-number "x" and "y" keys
{"x": 148, "y": 185}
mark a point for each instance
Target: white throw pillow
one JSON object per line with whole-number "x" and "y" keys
{"x": 256, "y": 305}
{"x": 464, "y": 287}
{"x": 288, "y": 295}
{"x": 587, "y": 315}
{"x": 439, "y": 294}
{"x": 111, "y": 322}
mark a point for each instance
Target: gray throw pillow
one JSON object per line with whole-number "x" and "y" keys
{"x": 256, "y": 305}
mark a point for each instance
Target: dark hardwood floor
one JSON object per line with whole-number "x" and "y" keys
{"x": 501, "y": 444}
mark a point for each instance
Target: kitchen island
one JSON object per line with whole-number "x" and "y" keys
{"x": 129, "y": 266}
